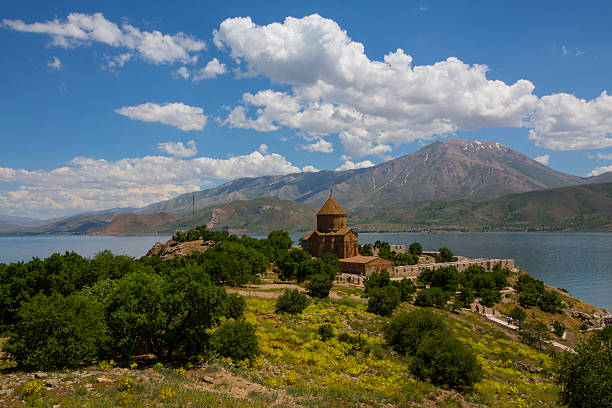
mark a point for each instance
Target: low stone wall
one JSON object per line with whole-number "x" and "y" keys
{"x": 412, "y": 271}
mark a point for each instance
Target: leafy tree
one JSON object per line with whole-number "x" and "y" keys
{"x": 518, "y": 313}
{"x": 291, "y": 302}
{"x": 558, "y": 328}
{"x": 426, "y": 276}
{"x": 377, "y": 280}
{"x": 279, "y": 239}
{"x": 431, "y": 297}
{"x": 319, "y": 285}
{"x": 406, "y": 330}
{"x": 415, "y": 249}
{"x": 57, "y": 331}
{"x": 406, "y": 288}
{"x": 444, "y": 360}
{"x": 606, "y": 333}
{"x": 489, "y": 297}
{"x": 383, "y": 301}
{"x": 527, "y": 283}
{"x": 289, "y": 263}
{"x": 366, "y": 250}
{"x": 534, "y": 333}
{"x": 529, "y": 298}
{"x": 445, "y": 255}
{"x": 446, "y": 279}
{"x": 585, "y": 375}
{"x": 550, "y": 301}
{"x": 464, "y": 298}
{"x": 235, "y": 339}
{"x": 232, "y": 263}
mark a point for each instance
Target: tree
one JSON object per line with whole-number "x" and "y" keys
{"x": 377, "y": 280}
{"x": 585, "y": 374}
{"x": 446, "y": 279}
{"x": 534, "y": 333}
{"x": 406, "y": 288}
{"x": 235, "y": 339}
{"x": 291, "y": 302}
{"x": 289, "y": 263}
{"x": 279, "y": 239}
{"x": 464, "y": 298}
{"x": 444, "y": 360}
{"x": 445, "y": 255}
{"x": 326, "y": 331}
{"x": 550, "y": 301}
{"x": 235, "y": 306}
{"x": 518, "y": 313}
{"x": 489, "y": 297}
{"x": 319, "y": 285}
{"x": 407, "y": 329}
{"x": 431, "y": 297}
{"x": 56, "y": 331}
{"x": 415, "y": 249}
{"x": 383, "y": 301}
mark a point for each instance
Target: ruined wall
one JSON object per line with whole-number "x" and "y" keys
{"x": 412, "y": 271}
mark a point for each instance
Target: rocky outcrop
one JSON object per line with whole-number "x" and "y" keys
{"x": 172, "y": 248}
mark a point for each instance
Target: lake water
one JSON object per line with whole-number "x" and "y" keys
{"x": 577, "y": 262}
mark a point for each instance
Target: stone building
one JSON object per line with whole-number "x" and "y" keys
{"x": 366, "y": 265}
{"x": 332, "y": 234}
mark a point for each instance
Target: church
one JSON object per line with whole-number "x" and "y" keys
{"x": 332, "y": 234}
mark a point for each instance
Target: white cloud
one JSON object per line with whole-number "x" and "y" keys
{"x": 211, "y": 70}
{"x": 321, "y": 145}
{"x": 344, "y": 157}
{"x": 543, "y": 159}
{"x": 87, "y": 184}
{"x": 564, "y": 50}
{"x": 182, "y": 72}
{"x": 349, "y": 165}
{"x": 118, "y": 61}
{"x": 263, "y": 148}
{"x": 55, "y": 64}
{"x": 178, "y": 149}
{"x": 604, "y": 156}
{"x": 564, "y": 122}
{"x": 84, "y": 29}
{"x": 372, "y": 104}
{"x": 309, "y": 169}
{"x": 179, "y": 115}
{"x": 600, "y": 170}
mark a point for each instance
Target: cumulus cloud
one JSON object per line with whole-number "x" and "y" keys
{"x": 543, "y": 159}
{"x": 178, "y": 149}
{"x": 564, "y": 122}
{"x": 600, "y": 170}
{"x": 87, "y": 184}
{"x": 309, "y": 169}
{"x": 179, "y": 115}
{"x": 211, "y": 70}
{"x": 321, "y": 145}
{"x": 84, "y": 29}
{"x": 182, "y": 72}
{"x": 55, "y": 64}
{"x": 349, "y": 165}
{"x": 372, "y": 104}
{"x": 263, "y": 148}
{"x": 118, "y": 61}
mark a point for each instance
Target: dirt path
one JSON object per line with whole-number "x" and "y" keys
{"x": 274, "y": 290}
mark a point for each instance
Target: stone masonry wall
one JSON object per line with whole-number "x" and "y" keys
{"x": 412, "y": 271}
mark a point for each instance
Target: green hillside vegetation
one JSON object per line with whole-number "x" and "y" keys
{"x": 116, "y": 331}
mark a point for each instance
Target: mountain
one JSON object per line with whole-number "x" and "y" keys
{"x": 584, "y": 207}
{"x": 444, "y": 169}
{"x": 77, "y": 224}
{"x": 258, "y": 215}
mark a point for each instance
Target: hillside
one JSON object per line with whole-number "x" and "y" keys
{"x": 444, "y": 169}
{"x": 77, "y": 224}
{"x": 586, "y": 207}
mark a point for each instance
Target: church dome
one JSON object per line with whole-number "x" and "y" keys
{"x": 331, "y": 217}
{"x": 331, "y": 207}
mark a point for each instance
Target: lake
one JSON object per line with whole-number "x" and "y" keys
{"x": 577, "y": 262}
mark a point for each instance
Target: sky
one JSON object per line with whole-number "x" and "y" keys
{"x": 121, "y": 104}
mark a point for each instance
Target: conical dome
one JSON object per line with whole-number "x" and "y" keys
{"x": 331, "y": 207}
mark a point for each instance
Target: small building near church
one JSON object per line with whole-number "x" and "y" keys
{"x": 366, "y": 265}
{"x": 332, "y": 234}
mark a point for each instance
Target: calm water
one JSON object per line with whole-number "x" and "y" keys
{"x": 577, "y": 262}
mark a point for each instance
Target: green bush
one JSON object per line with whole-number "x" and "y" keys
{"x": 56, "y": 331}
{"x": 326, "y": 331}
{"x": 415, "y": 249}
{"x": 534, "y": 333}
{"x": 558, "y": 328}
{"x": 490, "y": 296}
{"x": 319, "y": 285}
{"x": 444, "y": 360}
{"x": 465, "y": 297}
{"x": 406, "y": 288}
{"x": 445, "y": 255}
{"x": 529, "y": 298}
{"x": 377, "y": 280}
{"x": 446, "y": 279}
{"x": 431, "y": 297}
{"x": 235, "y": 306}
{"x": 291, "y": 302}
{"x": 518, "y": 313}
{"x": 235, "y": 339}
{"x": 550, "y": 301}
{"x": 383, "y": 301}
{"x": 406, "y": 330}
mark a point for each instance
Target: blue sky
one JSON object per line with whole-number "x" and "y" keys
{"x": 118, "y": 104}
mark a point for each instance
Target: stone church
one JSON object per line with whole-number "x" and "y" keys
{"x": 332, "y": 234}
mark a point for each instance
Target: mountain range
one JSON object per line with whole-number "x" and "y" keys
{"x": 468, "y": 176}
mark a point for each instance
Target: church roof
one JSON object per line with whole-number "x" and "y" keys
{"x": 331, "y": 207}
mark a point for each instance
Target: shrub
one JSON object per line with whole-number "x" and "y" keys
{"x": 383, "y": 301}
{"x": 57, "y": 331}
{"x": 415, "y": 249}
{"x": 585, "y": 375}
{"x": 550, "y": 301}
{"x": 291, "y": 302}
{"x": 518, "y": 313}
{"x": 319, "y": 285}
{"x": 356, "y": 342}
{"x": 406, "y": 329}
{"x": 446, "y": 279}
{"x": 235, "y": 339}
{"x": 558, "y": 328}
{"x": 377, "y": 280}
{"x": 326, "y": 331}
{"x": 534, "y": 333}
{"x": 235, "y": 306}
{"x": 445, "y": 255}
{"x": 444, "y": 360}
{"x": 490, "y": 296}
{"x": 606, "y": 333}
{"x": 529, "y": 298}
{"x": 406, "y": 288}
{"x": 431, "y": 297}
{"x": 465, "y": 297}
